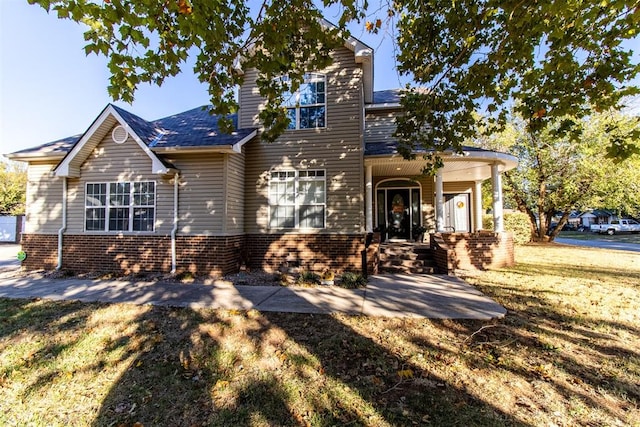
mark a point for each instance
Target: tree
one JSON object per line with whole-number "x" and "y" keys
{"x": 557, "y": 175}
{"x": 13, "y": 188}
{"x": 551, "y": 59}
{"x": 555, "y": 57}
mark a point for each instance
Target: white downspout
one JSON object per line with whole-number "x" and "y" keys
{"x": 64, "y": 222}
{"x": 174, "y": 230}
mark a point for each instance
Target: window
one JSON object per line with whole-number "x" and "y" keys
{"x": 307, "y": 107}
{"x": 120, "y": 206}
{"x": 297, "y": 199}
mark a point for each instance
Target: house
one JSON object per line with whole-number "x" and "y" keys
{"x": 176, "y": 194}
{"x": 596, "y": 216}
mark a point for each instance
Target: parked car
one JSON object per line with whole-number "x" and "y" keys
{"x": 617, "y": 226}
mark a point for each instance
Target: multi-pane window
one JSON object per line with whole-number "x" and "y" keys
{"x": 120, "y": 206}
{"x": 307, "y": 107}
{"x": 297, "y": 199}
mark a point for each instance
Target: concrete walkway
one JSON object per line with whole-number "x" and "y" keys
{"x": 435, "y": 296}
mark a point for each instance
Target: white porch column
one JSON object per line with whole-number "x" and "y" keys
{"x": 368, "y": 200}
{"x": 439, "y": 202}
{"x": 496, "y": 181}
{"x": 477, "y": 193}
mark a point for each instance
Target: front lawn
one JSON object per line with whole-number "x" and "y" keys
{"x": 566, "y": 354}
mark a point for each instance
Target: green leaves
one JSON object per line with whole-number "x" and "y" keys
{"x": 548, "y": 59}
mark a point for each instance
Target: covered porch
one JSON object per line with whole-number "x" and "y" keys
{"x": 443, "y": 211}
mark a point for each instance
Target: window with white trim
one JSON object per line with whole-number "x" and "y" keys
{"x": 120, "y": 206}
{"x": 297, "y": 199}
{"x": 307, "y": 107}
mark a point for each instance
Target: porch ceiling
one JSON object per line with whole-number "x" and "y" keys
{"x": 469, "y": 166}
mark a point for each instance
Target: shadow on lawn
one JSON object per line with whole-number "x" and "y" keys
{"x": 577, "y": 364}
{"x": 283, "y": 369}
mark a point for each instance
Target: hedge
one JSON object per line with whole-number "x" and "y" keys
{"x": 515, "y": 222}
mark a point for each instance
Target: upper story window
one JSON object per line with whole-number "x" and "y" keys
{"x": 120, "y": 206}
{"x": 307, "y": 107}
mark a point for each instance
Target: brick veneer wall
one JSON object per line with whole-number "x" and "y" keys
{"x": 41, "y": 250}
{"x": 315, "y": 252}
{"x": 473, "y": 251}
{"x": 213, "y": 255}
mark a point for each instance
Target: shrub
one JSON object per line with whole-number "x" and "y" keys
{"x": 515, "y": 222}
{"x": 352, "y": 280}
{"x": 308, "y": 278}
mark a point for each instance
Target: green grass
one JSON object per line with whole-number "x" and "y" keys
{"x": 567, "y": 353}
{"x": 621, "y": 238}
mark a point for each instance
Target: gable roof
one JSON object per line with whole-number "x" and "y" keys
{"x": 106, "y": 120}
{"x": 191, "y": 130}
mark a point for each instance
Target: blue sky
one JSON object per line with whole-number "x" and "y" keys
{"x": 49, "y": 89}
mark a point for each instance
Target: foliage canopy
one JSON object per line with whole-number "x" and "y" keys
{"x": 13, "y": 188}
{"x": 557, "y": 175}
{"x": 556, "y": 58}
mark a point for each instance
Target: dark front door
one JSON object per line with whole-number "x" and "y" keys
{"x": 398, "y": 209}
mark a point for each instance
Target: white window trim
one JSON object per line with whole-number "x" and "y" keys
{"x": 131, "y": 206}
{"x": 309, "y": 78}
{"x": 296, "y": 204}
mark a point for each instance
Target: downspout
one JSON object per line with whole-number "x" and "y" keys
{"x": 64, "y": 222}
{"x": 174, "y": 230}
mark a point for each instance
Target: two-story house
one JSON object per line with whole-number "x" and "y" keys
{"x": 176, "y": 194}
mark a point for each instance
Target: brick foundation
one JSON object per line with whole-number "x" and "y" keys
{"x": 211, "y": 255}
{"x": 315, "y": 252}
{"x": 208, "y": 255}
{"x": 482, "y": 250}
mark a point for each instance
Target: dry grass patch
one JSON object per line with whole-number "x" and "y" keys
{"x": 567, "y": 353}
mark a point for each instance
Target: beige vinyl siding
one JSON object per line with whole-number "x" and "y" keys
{"x": 337, "y": 149}
{"x": 379, "y": 126}
{"x": 234, "y": 218}
{"x": 111, "y": 162}
{"x": 201, "y": 195}
{"x": 43, "y": 199}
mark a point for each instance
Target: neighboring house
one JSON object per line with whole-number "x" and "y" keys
{"x": 176, "y": 194}
{"x": 596, "y": 216}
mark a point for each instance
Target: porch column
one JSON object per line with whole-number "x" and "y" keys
{"x": 439, "y": 202}
{"x": 477, "y": 193}
{"x": 368, "y": 199}
{"x": 496, "y": 182}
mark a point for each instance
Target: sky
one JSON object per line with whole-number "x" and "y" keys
{"x": 49, "y": 88}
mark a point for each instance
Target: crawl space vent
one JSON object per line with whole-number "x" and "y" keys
{"x": 119, "y": 135}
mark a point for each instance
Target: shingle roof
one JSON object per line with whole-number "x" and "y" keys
{"x": 389, "y": 96}
{"x": 54, "y": 148}
{"x": 197, "y": 128}
{"x": 193, "y": 128}
{"x": 147, "y": 131}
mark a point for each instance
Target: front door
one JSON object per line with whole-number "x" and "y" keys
{"x": 456, "y": 213}
{"x": 398, "y": 211}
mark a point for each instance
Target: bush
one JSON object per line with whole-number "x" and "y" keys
{"x": 515, "y": 222}
{"x": 308, "y": 278}
{"x": 352, "y": 280}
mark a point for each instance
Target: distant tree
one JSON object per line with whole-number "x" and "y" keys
{"x": 13, "y": 188}
{"x": 557, "y": 58}
{"x": 559, "y": 174}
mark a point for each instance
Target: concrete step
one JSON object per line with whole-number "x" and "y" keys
{"x": 406, "y": 258}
